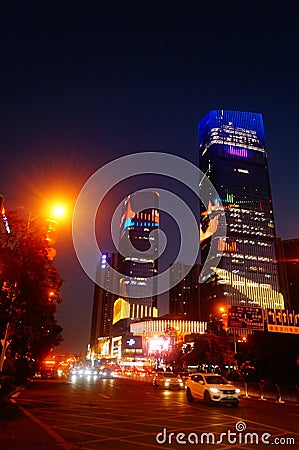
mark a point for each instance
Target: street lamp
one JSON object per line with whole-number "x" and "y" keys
{"x": 57, "y": 211}
{"x": 224, "y": 317}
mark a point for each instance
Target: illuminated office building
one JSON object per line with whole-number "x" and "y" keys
{"x": 233, "y": 157}
{"x": 139, "y": 261}
{"x": 119, "y": 301}
{"x": 104, "y": 298}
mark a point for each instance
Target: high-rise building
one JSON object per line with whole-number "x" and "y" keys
{"x": 138, "y": 248}
{"x": 184, "y": 295}
{"x": 120, "y": 300}
{"x": 233, "y": 157}
{"x": 104, "y": 298}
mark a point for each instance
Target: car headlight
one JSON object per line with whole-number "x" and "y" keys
{"x": 168, "y": 380}
{"x": 214, "y": 390}
{"x": 238, "y": 391}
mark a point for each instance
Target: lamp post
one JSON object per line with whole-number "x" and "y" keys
{"x": 58, "y": 211}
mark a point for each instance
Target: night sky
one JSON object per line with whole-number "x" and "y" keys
{"x": 81, "y": 87}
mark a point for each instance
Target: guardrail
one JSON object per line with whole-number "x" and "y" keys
{"x": 261, "y": 391}
{"x": 268, "y": 391}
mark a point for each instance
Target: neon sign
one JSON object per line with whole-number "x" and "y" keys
{"x": 236, "y": 151}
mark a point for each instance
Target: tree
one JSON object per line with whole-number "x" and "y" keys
{"x": 30, "y": 288}
{"x": 275, "y": 356}
{"x": 210, "y": 349}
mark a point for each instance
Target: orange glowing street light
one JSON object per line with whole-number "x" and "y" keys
{"x": 51, "y": 220}
{"x": 224, "y": 317}
{"x": 58, "y": 211}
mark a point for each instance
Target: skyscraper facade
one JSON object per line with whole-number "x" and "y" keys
{"x": 138, "y": 248}
{"x": 233, "y": 157}
{"x": 120, "y": 300}
{"x": 184, "y": 295}
{"x": 104, "y": 298}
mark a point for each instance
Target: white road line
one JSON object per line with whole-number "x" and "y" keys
{"x": 59, "y": 439}
{"x": 238, "y": 418}
{"x": 104, "y": 396}
{"x": 16, "y": 394}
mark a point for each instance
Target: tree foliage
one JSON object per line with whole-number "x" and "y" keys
{"x": 30, "y": 288}
{"x": 275, "y": 356}
{"x": 210, "y": 349}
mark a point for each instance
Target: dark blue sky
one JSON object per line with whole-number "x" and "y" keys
{"x": 82, "y": 87}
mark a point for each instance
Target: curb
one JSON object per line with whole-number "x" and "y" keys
{"x": 4, "y": 399}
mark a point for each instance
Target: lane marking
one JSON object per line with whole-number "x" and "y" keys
{"x": 16, "y": 394}
{"x": 260, "y": 424}
{"x": 59, "y": 439}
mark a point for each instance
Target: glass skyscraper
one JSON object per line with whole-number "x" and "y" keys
{"x": 233, "y": 157}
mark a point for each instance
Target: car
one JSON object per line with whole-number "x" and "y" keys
{"x": 81, "y": 372}
{"x": 184, "y": 375}
{"x": 106, "y": 373}
{"x": 212, "y": 388}
{"x": 167, "y": 380}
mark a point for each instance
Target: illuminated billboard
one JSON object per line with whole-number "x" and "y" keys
{"x": 209, "y": 219}
{"x": 132, "y": 216}
{"x": 159, "y": 345}
{"x": 121, "y": 310}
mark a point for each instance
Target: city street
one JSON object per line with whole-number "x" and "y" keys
{"x": 127, "y": 414}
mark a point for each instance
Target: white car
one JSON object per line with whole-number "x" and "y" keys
{"x": 212, "y": 388}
